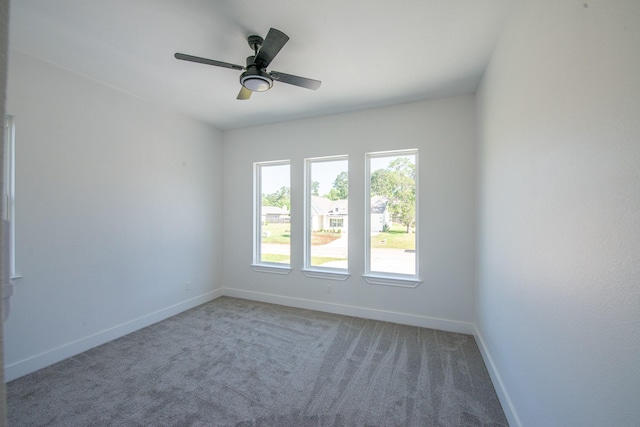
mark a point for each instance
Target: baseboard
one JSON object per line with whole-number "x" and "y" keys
{"x": 501, "y": 391}
{"x": 32, "y": 364}
{"x": 349, "y": 310}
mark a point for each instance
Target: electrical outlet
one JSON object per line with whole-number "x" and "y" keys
{"x": 187, "y": 286}
{"x": 329, "y": 288}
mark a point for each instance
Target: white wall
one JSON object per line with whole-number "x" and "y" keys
{"x": 4, "y": 36}
{"x": 558, "y": 291}
{"x": 444, "y": 132}
{"x": 118, "y": 206}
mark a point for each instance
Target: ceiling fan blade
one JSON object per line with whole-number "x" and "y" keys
{"x": 272, "y": 44}
{"x": 244, "y": 93}
{"x": 206, "y": 61}
{"x": 295, "y": 80}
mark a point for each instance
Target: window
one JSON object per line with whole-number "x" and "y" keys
{"x": 272, "y": 228}
{"x": 391, "y": 223}
{"x": 326, "y": 217}
{"x": 8, "y": 190}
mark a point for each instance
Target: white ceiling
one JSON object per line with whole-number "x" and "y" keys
{"x": 367, "y": 53}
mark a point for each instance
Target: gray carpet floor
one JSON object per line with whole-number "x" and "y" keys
{"x": 233, "y": 362}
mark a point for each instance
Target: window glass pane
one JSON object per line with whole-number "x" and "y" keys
{"x": 275, "y": 229}
{"x": 8, "y": 190}
{"x": 392, "y": 209}
{"x": 327, "y": 213}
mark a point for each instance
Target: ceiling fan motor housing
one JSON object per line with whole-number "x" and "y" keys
{"x": 255, "y": 79}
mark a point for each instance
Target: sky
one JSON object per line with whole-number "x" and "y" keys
{"x": 277, "y": 176}
{"x": 326, "y": 172}
{"x": 274, "y": 177}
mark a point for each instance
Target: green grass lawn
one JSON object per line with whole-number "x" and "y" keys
{"x": 396, "y": 238}
{"x": 285, "y": 259}
{"x": 280, "y": 233}
{"x": 319, "y": 260}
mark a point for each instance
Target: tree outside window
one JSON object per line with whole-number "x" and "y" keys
{"x": 392, "y": 201}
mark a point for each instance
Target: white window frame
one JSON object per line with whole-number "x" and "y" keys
{"x": 258, "y": 264}
{"x": 9, "y": 191}
{"x": 388, "y": 278}
{"x": 316, "y": 271}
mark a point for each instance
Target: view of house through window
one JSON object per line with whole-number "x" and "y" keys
{"x": 274, "y": 204}
{"x": 392, "y": 207}
{"x": 327, "y": 213}
{"x": 391, "y": 222}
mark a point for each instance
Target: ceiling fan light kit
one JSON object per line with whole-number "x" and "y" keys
{"x": 255, "y": 77}
{"x": 256, "y": 82}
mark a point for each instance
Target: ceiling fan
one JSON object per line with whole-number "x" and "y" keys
{"x": 255, "y": 77}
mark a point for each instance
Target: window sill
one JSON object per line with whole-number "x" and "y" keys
{"x": 274, "y": 269}
{"x": 326, "y": 274}
{"x": 404, "y": 282}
